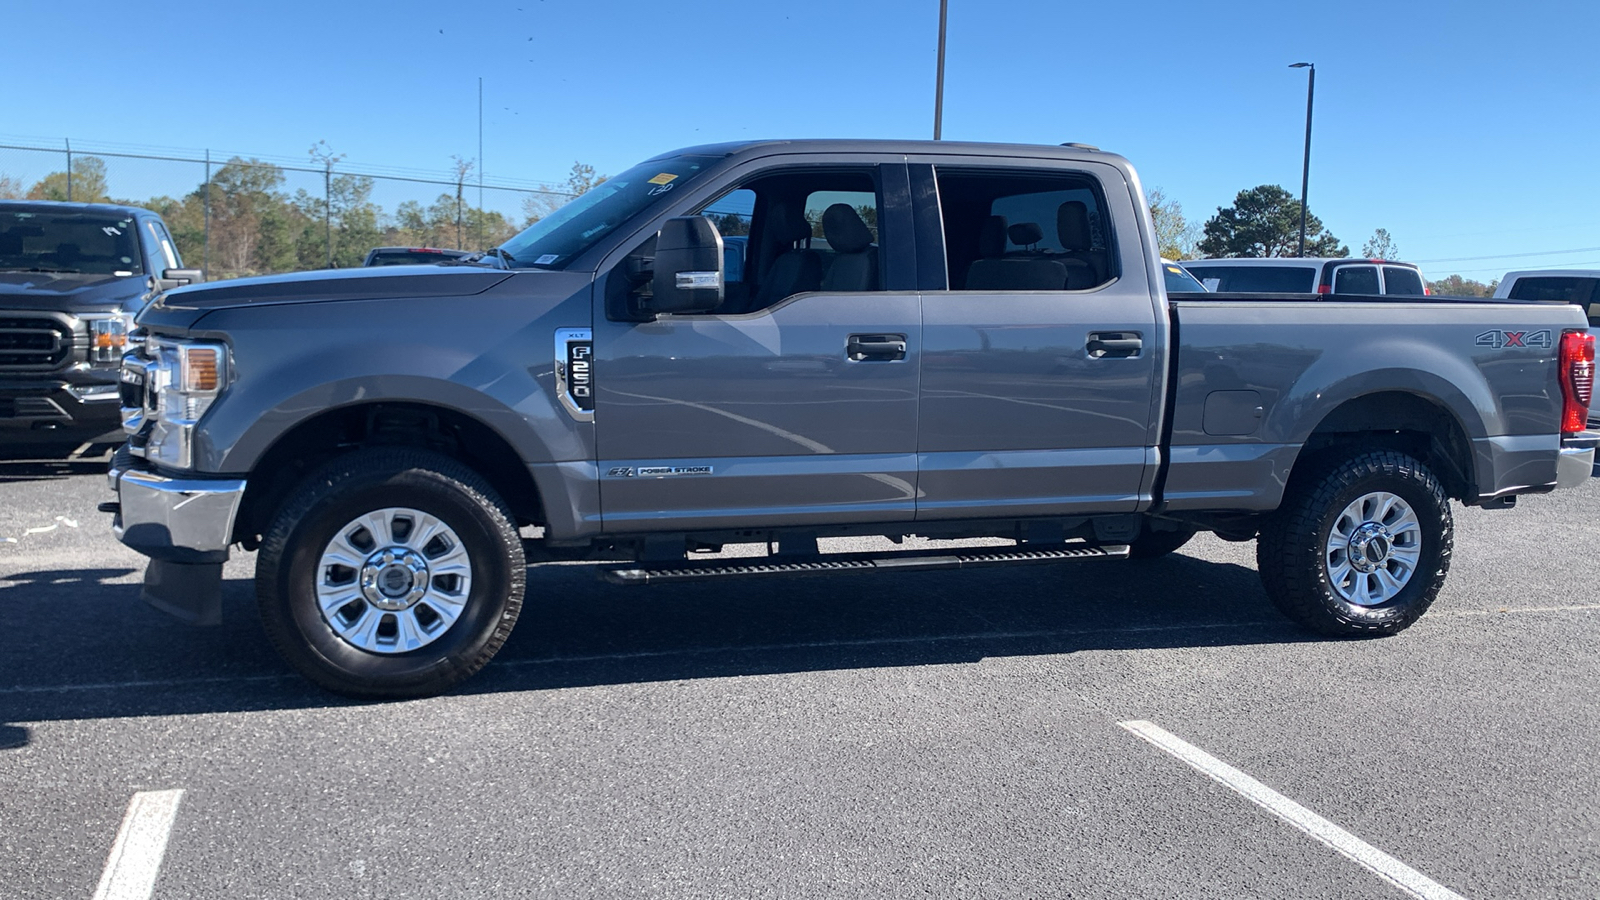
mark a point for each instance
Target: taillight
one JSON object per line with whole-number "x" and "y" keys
{"x": 1324, "y": 288}
{"x": 1577, "y": 379}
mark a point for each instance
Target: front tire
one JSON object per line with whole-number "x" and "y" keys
{"x": 1360, "y": 549}
{"x": 389, "y": 574}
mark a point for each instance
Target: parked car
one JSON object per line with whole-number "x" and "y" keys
{"x": 411, "y": 256}
{"x": 1005, "y": 362}
{"x": 72, "y": 276}
{"x": 1579, "y": 287}
{"x": 1308, "y": 275}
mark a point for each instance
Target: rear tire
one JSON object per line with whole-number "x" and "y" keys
{"x": 390, "y": 573}
{"x": 1359, "y": 549}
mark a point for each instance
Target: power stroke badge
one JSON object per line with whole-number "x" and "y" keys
{"x": 656, "y": 471}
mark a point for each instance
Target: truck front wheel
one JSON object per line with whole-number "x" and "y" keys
{"x": 1361, "y": 548}
{"x": 390, "y": 573}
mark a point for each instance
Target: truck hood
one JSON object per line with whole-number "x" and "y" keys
{"x": 335, "y": 284}
{"x": 71, "y": 293}
{"x": 180, "y": 308}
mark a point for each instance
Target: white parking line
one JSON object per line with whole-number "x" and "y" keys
{"x": 1381, "y": 864}
{"x": 135, "y": 858}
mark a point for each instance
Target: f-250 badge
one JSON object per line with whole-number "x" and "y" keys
{"x": 1501, "y": 340}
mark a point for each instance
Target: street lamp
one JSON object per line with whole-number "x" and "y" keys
{"x": 1305, "y": 169}
{"x": 938, "y": 91}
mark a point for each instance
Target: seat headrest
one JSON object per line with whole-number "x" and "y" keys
{"x": 992, "y": 238}
{"x": 845, "y": 231}
{"x": 1072, "y": 226}
{"x": 788, "y": 223}
{"x": 1024, "y": 233}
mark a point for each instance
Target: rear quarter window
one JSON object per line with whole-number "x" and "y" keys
{"x": 1355, "y": 280}
{"x": 1401, "y": 280}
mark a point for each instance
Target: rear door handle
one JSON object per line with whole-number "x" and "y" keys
{"x": 863, "y": 347}
{"x": 1121, "y": 344}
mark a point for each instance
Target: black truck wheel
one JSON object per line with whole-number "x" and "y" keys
{"x": 1360, "y": 548}
{"x": 390, "y": 573}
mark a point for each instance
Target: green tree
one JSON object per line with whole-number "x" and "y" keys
{"x": 1457, "y": 286}
{"x": 88, "y": 183}
{"x": 1380, "y": 246}
{"x": 1175, "y": 236}
{"x": 254, "y": 227}
{"x": 1265, "y": 221}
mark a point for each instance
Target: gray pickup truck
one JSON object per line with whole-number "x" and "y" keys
{"x": 939, "y": 339}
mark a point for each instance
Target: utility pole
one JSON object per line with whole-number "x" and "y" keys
{"x": 1305, "y": 168}
{"x": 938, "y": 91}
{"x": 480, "y": 162}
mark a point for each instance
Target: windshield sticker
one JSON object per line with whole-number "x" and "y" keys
{"x": 547, "y": 259}
{"x": 663, "y": 178}
{"x": 660, "y": 189}
{"x": 112, "y": 230}
{"x": 121, "y": 273}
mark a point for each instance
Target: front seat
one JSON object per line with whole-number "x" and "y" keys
{"x": 1022, "y": 271}
{"x": 794, "y": 271}
{"x": 1072, "y": 228}
{"x": 855, "y": 264}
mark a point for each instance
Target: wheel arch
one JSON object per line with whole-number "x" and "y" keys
{"x": 329, "y": 433}
{"x": 1409, "y": 421}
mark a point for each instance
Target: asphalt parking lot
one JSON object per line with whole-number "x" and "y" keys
{"x": 965, "y": 734}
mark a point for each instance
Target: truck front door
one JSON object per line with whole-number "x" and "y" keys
{"x": 796, "y": 401}
{"x": 1042, "y": 349}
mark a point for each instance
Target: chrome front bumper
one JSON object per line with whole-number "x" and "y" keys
{"x": 188, "y": 520}
{"x": 1576, "y": 463}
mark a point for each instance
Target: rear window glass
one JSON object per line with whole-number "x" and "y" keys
{"x": 1557, "y": 288}
{"x": 1179, "y": 281}
{"x": 1258, "y": 279}
{"x": 1355, "y": 280}
{"x": 1400, "y": 280}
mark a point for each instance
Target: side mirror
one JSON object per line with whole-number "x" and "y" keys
{"x": 688, "y": 267}
{"x": 175, "y": 278}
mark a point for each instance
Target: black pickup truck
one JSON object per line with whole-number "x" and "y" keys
{"x": 72, "y": 276}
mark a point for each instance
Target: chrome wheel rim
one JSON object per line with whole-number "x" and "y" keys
{"x": 1374, "y": 549}
{"x": 393, "y": 580}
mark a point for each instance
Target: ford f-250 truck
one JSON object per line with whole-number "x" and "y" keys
{"x": 72, "y": 276}
{"x": 939, "y": 339}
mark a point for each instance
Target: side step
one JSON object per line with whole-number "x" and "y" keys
{"x": 909, "y": 560}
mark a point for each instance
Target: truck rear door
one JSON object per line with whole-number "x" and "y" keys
{"x": 1043, "y": 349}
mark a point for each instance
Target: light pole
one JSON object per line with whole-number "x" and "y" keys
{"x": 938, "y": 91}
{"x": 1305, "y": 168}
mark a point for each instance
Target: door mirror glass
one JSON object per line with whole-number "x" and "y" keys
{"x": 688, "y": 275}
{"x": 174, "y": 278}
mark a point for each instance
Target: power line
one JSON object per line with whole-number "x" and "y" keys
{"x": 1509, "y": 255}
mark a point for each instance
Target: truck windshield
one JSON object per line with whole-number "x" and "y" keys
{"x": 1258, "y": 279}
{"x": 557, "y": 239}
{"x": 91, "y": 243}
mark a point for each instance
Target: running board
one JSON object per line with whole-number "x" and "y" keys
{"x": 912, "y": 560}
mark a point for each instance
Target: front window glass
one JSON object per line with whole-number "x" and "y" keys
{"x": 1257, "y": 279}
{"x": 1179, "y": 281}
{"x": 88, "y": 243}
{"x": 556, "y": 240}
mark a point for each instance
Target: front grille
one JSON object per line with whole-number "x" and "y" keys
{"x": 33, "y": 343}
{"x": 30, "y": 408}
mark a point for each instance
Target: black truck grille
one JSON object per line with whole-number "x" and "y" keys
{"x": 33, "y": 343}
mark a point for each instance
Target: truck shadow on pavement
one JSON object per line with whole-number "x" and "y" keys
{"x": 49, "y": 469}
{"x": 80, "y": 644}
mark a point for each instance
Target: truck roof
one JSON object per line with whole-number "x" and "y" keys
{"x": 1078, "y": 152}
{"x": 74, "y": 206}
{"x": 1291, "y": 261}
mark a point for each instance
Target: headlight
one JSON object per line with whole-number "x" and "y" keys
{"x": 108, "y": 338}
{"x": 185, "y": 379}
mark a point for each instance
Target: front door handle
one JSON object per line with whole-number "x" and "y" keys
{"x": 876, "y": 346}
{"x": 1121, "y": 344}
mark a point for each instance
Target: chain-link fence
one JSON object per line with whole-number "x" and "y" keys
{"x": 240, "y": 215}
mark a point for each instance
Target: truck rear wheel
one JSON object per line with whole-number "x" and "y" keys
{"x": 390, "y": 573}
{"x": 1361, "y": 548}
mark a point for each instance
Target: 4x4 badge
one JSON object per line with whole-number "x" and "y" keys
{"x": 1501, "y": 340}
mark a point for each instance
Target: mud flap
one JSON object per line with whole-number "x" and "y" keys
{"x": 190, "y": 591}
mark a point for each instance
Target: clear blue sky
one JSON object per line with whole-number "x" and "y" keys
{"x": 1467, "y": 128}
